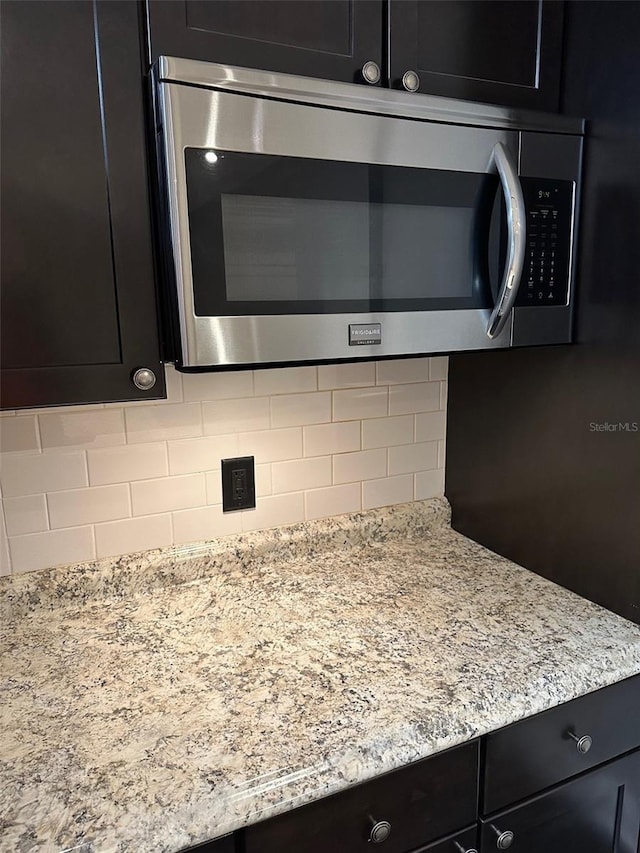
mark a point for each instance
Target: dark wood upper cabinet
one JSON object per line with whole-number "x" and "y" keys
{"x": 498, "y": 51}
{"x": 315, "y": 38}
{"x": 505, "y": 52}
{"x": 78, "y": 293}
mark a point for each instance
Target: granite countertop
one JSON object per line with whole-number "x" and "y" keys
{"x": 153, "y": 702}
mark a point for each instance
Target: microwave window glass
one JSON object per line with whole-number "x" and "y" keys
{"x": 282, "y": 235}
{"x": 292, "y": 249}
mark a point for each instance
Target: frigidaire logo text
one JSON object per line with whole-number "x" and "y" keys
{"x": 365, "y": 334}
{"x": 626, "y": 426}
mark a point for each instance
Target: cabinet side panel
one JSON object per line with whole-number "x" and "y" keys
{"x": 543, "y": 446}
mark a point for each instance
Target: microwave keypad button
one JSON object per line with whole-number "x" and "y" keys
{"x": 548, "y": 215}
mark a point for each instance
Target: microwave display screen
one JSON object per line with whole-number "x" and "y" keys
{"x": 288, "y": 235}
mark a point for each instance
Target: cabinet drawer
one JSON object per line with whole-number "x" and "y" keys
{"x": 422, "y": 802}
{"x": 597, "y": 813}
{"x": 462, "y": 842}
{"x": 536, "y": 753}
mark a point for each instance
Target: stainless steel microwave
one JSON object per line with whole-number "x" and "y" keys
{"x": 315, "y": 221}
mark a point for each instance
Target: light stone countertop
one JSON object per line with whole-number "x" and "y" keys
{"x": 158, "y": 700}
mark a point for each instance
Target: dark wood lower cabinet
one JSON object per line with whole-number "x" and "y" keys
{"x": 595, "y": 813}
{"x": 462, "y": 842}
{"x": 423, "y": 802}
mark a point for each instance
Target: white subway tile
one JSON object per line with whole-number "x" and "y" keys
{"x": 133, "y": 534}
{"x": 250, "y": 413}
{"x": 95, "y": 428}
{"x": 217, "y": 386}
{"x": 430, "y": 484}
{"x": 158, "y": 423}
{"x": 191, "y": 455}
{"x": 83, "y": 407}
{"x": 5, "y": 557}
{"x": 410, "y": 458}
{"x": 438, "y": 367}
{"x": 149, "y": 497}
{"x": 7, "y": 413}
{"x": 19, "y": 434}
{"x": 336, "y": 500}
{"x": 123, "y": 464}
{"x": 25, "y": 474}
{"x": 385, "y": 432}
{"x": 272, "y": 445}
{"x": 442, "y": 454}
{"x": 53, "y": 548}
{"x": 363, "y": 465}
{"x": 284, "y": 380}
{"x": 213, "y": 480}
{"x": 326, "y": 439}
{"x": 359, "y": 403}
{"x": 173, "y": 380}
{"x": 26, "y": 515}
{"x": 207, "y": 522}
{"x": 301, "y": 474}
{"x": 386, "y": 492}
{"x": 402, "y": 370}
{"x": 274, "y": 511}
{"x": 264, "y": 483}
{"x": 87, "y": 506}
{"x": 301, "y": 409}
{"x": 408, "y": 399}
{"x": 444, "y": 393}
{"x": 356, "y": 375}
{"x": 431, "y": 426}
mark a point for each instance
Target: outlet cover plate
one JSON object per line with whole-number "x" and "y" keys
{"x": 238, "y": 484}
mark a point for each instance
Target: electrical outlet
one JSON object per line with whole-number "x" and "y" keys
{"x": 238, "y": 484}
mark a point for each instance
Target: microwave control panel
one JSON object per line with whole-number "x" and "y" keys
{"x": 545, "y": 277}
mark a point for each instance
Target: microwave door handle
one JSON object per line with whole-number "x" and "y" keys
{"x": 516, "y": 228}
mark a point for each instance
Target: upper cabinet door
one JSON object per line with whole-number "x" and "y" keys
{"x": 506, "y": 52}
{"x": 77, "y": 296}
{"x": 315, "y": 38}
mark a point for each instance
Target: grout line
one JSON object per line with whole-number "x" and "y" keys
{"x": 46, "y": 508}
{"x": 7, "y": 543}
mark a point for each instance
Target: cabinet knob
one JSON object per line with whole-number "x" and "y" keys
{"x": 583, "y": 744}
{"x": 380, "y": 831}
{"x": 371, "y": 72}
{"x": 411, "y": 81}
{"x": 504, "y": 840}
{"x": 462, "y": 849}
{"x": 144, "y": 378}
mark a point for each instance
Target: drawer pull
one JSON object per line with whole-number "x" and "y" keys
{"x": 583, "y": 744}
{"x": 461, "y": 849}
{"x": 504, "y": 839}
{"x": 380, "y": 831}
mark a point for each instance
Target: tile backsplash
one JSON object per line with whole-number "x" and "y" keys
{"x": 94, "y": 481}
